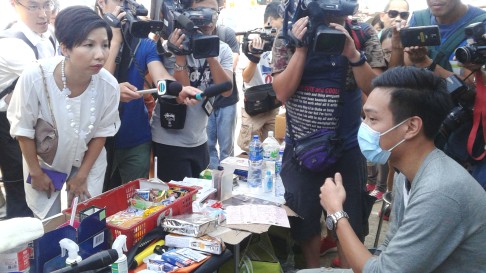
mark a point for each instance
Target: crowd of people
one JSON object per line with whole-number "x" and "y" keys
{"x": 71, "y": 113}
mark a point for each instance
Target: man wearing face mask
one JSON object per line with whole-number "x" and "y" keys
{"x": 434, "y": 227}
{"x": 322, "y": 91}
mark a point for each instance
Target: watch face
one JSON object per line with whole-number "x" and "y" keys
{"x": 329, "y": 223}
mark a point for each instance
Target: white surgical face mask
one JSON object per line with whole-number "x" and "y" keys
{"x": 369, "y": 143}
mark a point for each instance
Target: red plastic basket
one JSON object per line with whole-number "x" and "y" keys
{"x": 116, "y": 200}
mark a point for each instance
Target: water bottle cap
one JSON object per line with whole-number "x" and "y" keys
{"x": 269, "y": 172}
{"x": 270, "y": 133}
{"x": 256, "y": 137}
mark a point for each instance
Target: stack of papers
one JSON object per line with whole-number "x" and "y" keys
{"x": 257, "y": 214}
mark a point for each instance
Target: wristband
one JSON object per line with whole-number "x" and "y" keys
{"x": 179, "y": 68}
{"x": 362, "y": 60}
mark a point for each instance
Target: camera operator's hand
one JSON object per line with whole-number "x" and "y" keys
{"x": 128, "y": 92}
{"x": 349, "y": 50}
{"x": 299, "y": 29}
{"x": 417, "y": 55}
{"x": 257, "y": 43}
{"x": 176, "y": 38}
{"x": 117, "y": 34}
{"x": 187, "y": 94}
{"x": 396, "y": 41}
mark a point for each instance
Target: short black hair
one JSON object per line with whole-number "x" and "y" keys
{"x": 73, "y": 24}
{"x": 272, "y": 10}
{"x": 386, "y": 33}
{"x": 416, "y": 92}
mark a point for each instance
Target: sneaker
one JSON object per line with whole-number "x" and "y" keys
{"x": 377, "y": 194}
{"x": 327, "y": 245}
{"x": 370, "y": 187}
{"x": 336, "y": 263}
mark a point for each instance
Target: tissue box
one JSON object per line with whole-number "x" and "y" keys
{"x": 194, "y": 225}
{"x": 204, "y": 243}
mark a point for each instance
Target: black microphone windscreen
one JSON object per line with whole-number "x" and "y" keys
{"x": 174, "y": 88}
{"x": 185, "y": 22}
{"x": 96, "y": 261}
{"x": 217, "y": 89}
{"x": 315, "y": 10}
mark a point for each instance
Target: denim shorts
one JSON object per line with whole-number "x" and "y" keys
{"x": 302, "y": 189}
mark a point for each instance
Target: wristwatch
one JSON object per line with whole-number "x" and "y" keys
{"x": 362, "y": 60}
{"x": 179, "y": 68}
{"x": 332, "y": 219}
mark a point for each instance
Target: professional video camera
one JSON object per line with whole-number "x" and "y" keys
{"x": 136, "y": 27}
{"x": 475, "y": 52}
{"x": 189, "y": 21}
{"x": 463, "y": 98}
{"x": 267, "y": 35}
{"x": 319, "y": 36}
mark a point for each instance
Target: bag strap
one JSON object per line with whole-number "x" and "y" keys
{"x": 479, "y": 115}
{"x": 48, "y": 97}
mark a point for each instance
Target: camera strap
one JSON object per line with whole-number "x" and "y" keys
{"x": 207, "y": 105}
{"x": 479, "y": 116}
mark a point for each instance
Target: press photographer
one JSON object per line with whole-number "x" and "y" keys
{"x": 188, "y": 144}
{"x": 463, "y": 124}
{"x": 322, "y": 94}
{"x": 261, "y": 105}
{"x": 320, "y": 37}
{"x": 190, "y": 21}
{"x": 131, "y": 57}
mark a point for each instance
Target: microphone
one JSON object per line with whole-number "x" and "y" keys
{"x": 164, "y": 87}
{"x": 96, "y": 261}
{"x": 214, "y": 90}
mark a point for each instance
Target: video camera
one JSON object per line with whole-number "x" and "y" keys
{"x": 189, "y": 21}
{"x": 136, "y": 27}
{"x": 319, "y": 36}
{"x": 475, "y": 52}
{"x": 267, "y": 35}
{"x": 463, "y": 98}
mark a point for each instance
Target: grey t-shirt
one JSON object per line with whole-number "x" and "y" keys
{"x": 440, "y": 226}
{"x": 194, "y": 132}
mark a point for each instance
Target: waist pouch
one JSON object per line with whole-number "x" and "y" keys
{"x": 172, "y": 114}
{"x": 318, "y": 150}
{"x": 260, "y": 99}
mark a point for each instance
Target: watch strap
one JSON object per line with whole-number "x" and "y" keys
{"x": 362, "y": 60}
{"x": 338, "y": 216}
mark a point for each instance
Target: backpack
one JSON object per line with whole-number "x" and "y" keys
{"x": 10, "y": 33}
{"x": 422, "y": 17}
{"x": 357, "y": 31}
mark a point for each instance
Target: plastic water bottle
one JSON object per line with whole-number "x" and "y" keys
{"x": 256, "y": 165}
{"x": 268, "y": 182}
{"x": 279, "y": 187}
{"x": 270, "y": 152}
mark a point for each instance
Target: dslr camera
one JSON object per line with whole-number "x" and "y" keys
{"x": 267, "y": 35}
{"x": 319, "y": 36}
{"x": 135, "y": 27}
{"x": 475, "y": 51}
{"x": 189, "y": 21}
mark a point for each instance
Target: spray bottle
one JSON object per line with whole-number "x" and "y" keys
{"x": 120, "y": 265}
{"x": 72, "y": 251}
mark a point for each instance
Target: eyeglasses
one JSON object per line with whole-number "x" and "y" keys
{"x": 394, "y": 13}
{"x": 48, "y": 6}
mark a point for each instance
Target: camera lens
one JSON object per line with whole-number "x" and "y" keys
{"x": 464, "y": 54}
